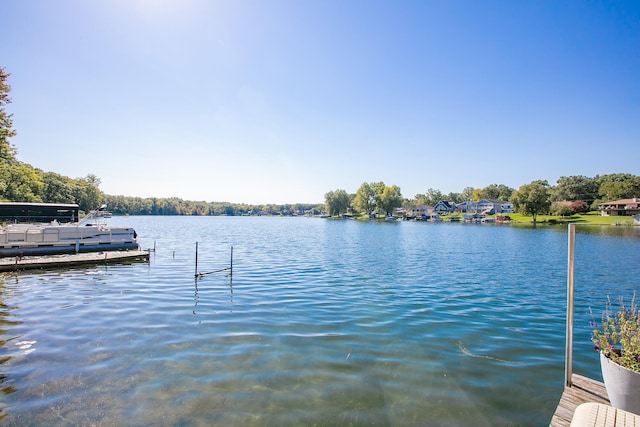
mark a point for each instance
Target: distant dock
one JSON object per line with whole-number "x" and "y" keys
{"x": 71, "y": 260}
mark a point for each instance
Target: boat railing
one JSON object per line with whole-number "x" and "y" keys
{"x": 53, "y": 235}
{"x": 96, "y": 216}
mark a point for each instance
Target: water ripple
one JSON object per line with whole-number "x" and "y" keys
{"x": 324, "y": 322}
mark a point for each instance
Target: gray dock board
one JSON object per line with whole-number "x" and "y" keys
{"x": 70, "y": 260}
{"x": 583, "y": 390}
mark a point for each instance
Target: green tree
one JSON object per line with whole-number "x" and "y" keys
{"x": 57, "y": 188}
{"x": 390, "y": 199}
{"x": 431, "y": 197}
{"x": 87, "y": 194}
{"x": 337, "y": 202}
{"x": 561, "y": 209}
{"x": 455, "y": 197}
{"x": 7, "y": 151}
{"x": 618, "y": 186}
{"x": 420, "y": 200}
{"x": 467, "y": 194}
{"x": 576, "y": 187}
{"x": 365, "y": 199}
{"x": 497, "y": 192}
{"x": 532, "y": 199}
{"x": 19, "y": 182}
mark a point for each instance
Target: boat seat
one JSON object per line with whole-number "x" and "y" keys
{"x": 593, "y": 414}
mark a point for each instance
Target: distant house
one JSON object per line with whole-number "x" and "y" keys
{"x": 624, "y": 207}
{"x": 486, "y": 206}
{"x": 494, "y": 207}
{"x": 469, "y": 206}
{"x": 506, "y": 208}
{"x": 421, "y": 211}
{"x": 444, "y": 207}
{"x": 399, "y": 212}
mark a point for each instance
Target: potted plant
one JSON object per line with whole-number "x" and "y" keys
{"x": 617, "y": 338}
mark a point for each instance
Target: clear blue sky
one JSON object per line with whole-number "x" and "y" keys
{"x": 271, "y": 101}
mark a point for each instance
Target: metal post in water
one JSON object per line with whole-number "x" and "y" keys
{"x": 570, "y": 288}
{"x": 196, "y": 275}
{"x": 231, "y": 265}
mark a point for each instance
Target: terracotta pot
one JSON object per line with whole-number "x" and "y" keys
{"x": 623, "y": 385}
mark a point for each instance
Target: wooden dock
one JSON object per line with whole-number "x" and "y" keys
{"x": 71, "y": 260}
{"x": 583, "y": 390}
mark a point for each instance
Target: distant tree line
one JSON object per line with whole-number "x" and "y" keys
{"x": 21, "y": 182}
{"x": 121, "y": 205}
{"x": 571, "y": 194}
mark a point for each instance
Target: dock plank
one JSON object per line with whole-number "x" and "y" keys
{"x": 71, "y": 260}
{"x": 583, "y": 390}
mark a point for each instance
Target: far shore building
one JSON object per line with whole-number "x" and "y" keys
{"x": 444, "y": 207}
{"x": 486, "y": 206}
{"x": 469, "y": 206}
{"x": 623, "y": 207}
{"x": 421, "y": 211}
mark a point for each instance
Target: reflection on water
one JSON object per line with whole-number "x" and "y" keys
{"x": 9, "y": 348}
{"x": 623, "y": 230}
{"x": 203, "y": 278}
{"x": 612, "y": 231}
{"x": 324, "y": 322}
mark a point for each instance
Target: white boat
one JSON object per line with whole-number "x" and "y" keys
{"x": 390, "y": 218}
{"x": 54, "y": 238}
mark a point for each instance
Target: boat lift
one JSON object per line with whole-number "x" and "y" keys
{"x": 199, "y": 275}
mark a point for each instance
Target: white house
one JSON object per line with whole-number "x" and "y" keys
{"x": 624, "y": 207}
{"x": 494, "y": 206}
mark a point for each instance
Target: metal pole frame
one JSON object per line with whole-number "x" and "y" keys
{"x": 570, "y": 290}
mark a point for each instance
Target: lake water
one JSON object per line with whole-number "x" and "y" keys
{"x": 324, "y": 323}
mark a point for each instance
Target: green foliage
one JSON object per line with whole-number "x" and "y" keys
{"x": 390, "y": 199}
{"x": 496, "y": 192}
{"x": 455, "y": 197}
{"x": 20, "y": 182}
{"x": 561, "y": 209}
{"x": 366, "y": 198}
{"x": 57, "y": 188}
{"x": 532, "y": 199}
{"x": 430, "y": 198}
{"x": 7, "y": 151}
{"x": 467, "y": 194}
{"x": 618, "y": 186}
{"x": 87, "y": 194}
{"x": 337, "y": 202}
{"x": 617, "y": 336}
{"x": 121, "y": 205}
{"x": 573, "y": 188}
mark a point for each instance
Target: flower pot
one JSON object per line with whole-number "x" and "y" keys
{"x": 622, "y": 384}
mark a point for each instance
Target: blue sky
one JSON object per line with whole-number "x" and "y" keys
{"x": 276, "y": 101}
